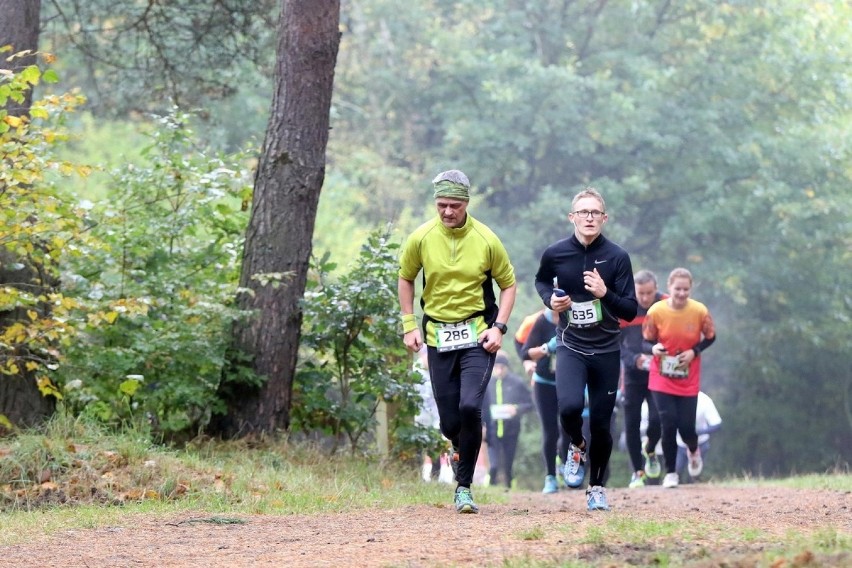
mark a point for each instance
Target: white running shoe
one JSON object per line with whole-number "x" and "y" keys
{"x": 696, "y": 464}
{"x": 670, "y": 481}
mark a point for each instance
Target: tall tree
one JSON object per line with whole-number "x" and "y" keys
{"x": 21, "y": 401}
{"x": 277, "y": 252}
{"x": 19, "y": 28}
{"x": 145, "y": 56}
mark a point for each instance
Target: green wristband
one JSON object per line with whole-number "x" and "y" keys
{"x": 409, "y": 323}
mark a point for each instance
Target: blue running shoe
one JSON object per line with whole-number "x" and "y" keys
{"x": 596, "y": 498}
{"x": 575, "y": 469}
{"x": 550, "y": 485}
{"x": 464, "y": 501}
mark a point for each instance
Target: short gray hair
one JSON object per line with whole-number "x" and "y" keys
{"x": 645, "y": 276}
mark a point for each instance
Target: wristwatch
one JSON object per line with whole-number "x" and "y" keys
{"x": 501, "y": 326}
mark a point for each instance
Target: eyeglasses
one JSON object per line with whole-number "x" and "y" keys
{"x": 585, "y": 214}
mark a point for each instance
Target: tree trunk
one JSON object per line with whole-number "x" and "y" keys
{"x": 21, "y": 402}
{"x": 286, "y": 194}
{"x": 19, "y": 27}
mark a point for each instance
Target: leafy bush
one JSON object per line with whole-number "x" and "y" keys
{"x": 351, "y": 355}
{"x": 41, "y": 224}
{"x": 172, "y": 230}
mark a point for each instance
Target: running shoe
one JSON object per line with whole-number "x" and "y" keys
{"x": 670, "y": 481}
{"x": 464, "y": 501}
{"x": 550, "y": 485}
{"x": 652, "y": 465}
{"x": 696, "y": 464}
{"x": 596, "y": 499}
{"x": 575, "y": 469}
{"x": 637, "y": 480}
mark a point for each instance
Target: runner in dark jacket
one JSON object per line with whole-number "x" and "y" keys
{"x": 636, "y": 358}
{"x": 588, "y": 280}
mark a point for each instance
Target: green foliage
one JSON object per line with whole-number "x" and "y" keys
{"x": 172, "y": 229}
{"x": 40, "y": 225}
{"x": 351, "y": 355}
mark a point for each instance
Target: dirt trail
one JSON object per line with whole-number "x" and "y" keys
{"x": 532, "y": 527}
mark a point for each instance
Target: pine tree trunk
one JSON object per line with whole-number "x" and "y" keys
{"x": 286, "y": 194}
{"x": 20, "y": 28}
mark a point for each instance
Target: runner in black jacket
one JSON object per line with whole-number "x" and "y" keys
{"x": 596, "y": 280}
{"x": 636, "y": 360}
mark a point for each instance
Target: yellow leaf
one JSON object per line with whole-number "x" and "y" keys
{"x": 111, "y": 317}
{"x": 12, "y": 121}
{"x": 47, "y": 388}
{"x": 32, "y": 314}
{"x": 6, "y": 423}
{"x": 36, "y": 112}
{"x": 84, "y": 171}
{"x": 31, "y": 365}
{"x": 15, "y": 333}
{"x": 129, "y": 387}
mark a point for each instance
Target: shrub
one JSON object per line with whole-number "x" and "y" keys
{"x": 351, "y": 355}
{"x": 172, "y": 230}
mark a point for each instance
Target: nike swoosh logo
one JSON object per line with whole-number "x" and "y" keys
{"x": 611, "y": 392}
{"x": 600, "y": 261}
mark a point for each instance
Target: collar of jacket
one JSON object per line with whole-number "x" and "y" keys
{"x": 460, "y": 231}
{"x": 596, "y": 244}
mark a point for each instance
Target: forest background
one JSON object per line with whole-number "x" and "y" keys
{"x": 717, "y": 131}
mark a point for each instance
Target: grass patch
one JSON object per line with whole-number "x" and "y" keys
{"x": 835, "y": 481}
{"x": 72, "y": 475}
{"x": 87, "y": 478}
{"x": 535, "y": 533}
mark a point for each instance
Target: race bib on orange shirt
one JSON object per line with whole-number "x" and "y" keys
{"x": 670, "y": 367}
